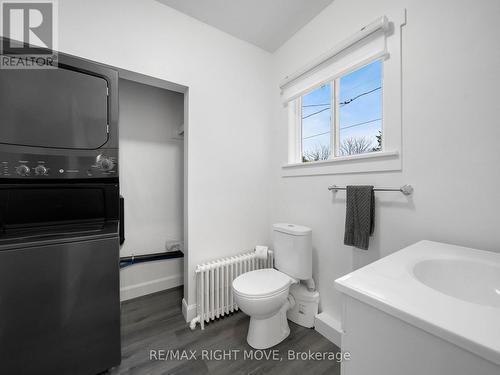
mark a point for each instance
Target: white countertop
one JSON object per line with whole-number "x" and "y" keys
{"x": 390, "y": 285}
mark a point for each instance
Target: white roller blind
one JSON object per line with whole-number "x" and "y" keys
{"x": 348, "y": 55}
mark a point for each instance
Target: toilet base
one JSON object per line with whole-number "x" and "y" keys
{"x": 267, "y": 332}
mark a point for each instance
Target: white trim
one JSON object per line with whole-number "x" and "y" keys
{"x": 338, "y": 159}
{"x": 380, "y": 23}
{"x": 295, "y": 138}
{"x": 152, "y": 286}
{"x": 188, "y": 311}
{"x": 364, "y": 163}
{"x": 298, "y": 119}
{"x": 329, "y": 327}
{"x": 382, "y": 112}
{"x": 150, "y": 80}
{"x": 335, "y": 126}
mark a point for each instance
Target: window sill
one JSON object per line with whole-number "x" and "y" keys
{"x": 369, "y": 162}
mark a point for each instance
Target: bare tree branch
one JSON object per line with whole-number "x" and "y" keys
{"x": 319, "y": 152}
{"x": 349, "y": 146}
{"x": 355, "y": 145}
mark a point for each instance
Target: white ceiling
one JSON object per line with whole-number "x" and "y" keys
{"x": 266, "y": 23}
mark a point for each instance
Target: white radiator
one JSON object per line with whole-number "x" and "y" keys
{"x": 214, "y": 292}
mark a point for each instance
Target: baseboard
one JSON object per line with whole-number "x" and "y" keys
{"x": 189, "y": 311}
{"x": 153, "y": 286}
{"x": 329, "y": 327}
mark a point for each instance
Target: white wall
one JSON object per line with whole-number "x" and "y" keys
{"x": 151, "y": 181}
{"x": 236, "y": 149}
{"x": 229, "y": 111}
{"x": 451, "y": 152}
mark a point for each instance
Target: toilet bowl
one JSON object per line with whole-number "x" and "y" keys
{"x": 264, "y": 296}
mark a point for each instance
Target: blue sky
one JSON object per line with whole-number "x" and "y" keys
{"x": 365, "y": 108}
{"x": 312, "y": 102}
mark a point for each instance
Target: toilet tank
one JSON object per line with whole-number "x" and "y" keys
{"x": 293, "y": 250}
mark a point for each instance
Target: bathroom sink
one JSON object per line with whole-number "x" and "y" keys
{"x": 449, "y": 291}
{"x": 465, "y": 279}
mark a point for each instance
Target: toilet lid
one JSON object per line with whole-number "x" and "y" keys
{"x": 261, "y": 283}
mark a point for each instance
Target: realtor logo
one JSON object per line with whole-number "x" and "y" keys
{"x": 28, "y": 30}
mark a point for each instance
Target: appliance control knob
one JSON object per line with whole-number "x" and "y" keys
{"x": 23, "y": 170}
{"x": 104, "y": 163}
{"x": 40, "y": 170}
{"x": 107, "y": 164}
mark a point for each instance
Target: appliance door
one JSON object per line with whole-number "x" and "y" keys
{"x": 60, "y": 308}
{"x": 53, "y": 108}
{"x": 29, "y": 210}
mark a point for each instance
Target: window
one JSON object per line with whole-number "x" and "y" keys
{"x": 344, "y": 107}
{"x": 316, "y": 120}
{"x": 343, "y": 117}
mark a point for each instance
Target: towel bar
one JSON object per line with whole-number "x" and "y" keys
{"x": 405, "y": 189}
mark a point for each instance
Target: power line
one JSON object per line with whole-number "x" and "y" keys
{"x": 358, "y": 96}
{"x": 315, "y": 105}
{"x": 360, "y": 123}
{"x": 315, "y": 113}
{"x": 316, "y": 135}
{"x": 348, "y": 101}
{"x": 346, "y": 127}
{"x": 359, "y": 85}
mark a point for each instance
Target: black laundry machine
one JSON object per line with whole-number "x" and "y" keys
{"x": 59, "y": 219}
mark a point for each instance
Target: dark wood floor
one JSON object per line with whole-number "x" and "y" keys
{"x": 155, "y": 322}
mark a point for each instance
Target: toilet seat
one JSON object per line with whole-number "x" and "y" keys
{"x": 262, "y": 283}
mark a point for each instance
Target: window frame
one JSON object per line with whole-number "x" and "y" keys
{"x": 299, "y": 119}
{"x": 334, "y": 83}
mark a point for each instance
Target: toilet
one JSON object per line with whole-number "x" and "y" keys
{"x": 264, "y": 294}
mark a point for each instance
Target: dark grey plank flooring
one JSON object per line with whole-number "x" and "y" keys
{"x": 155, "y": 322}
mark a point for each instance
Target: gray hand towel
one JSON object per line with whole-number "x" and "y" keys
{"x": 360, "y": 216}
